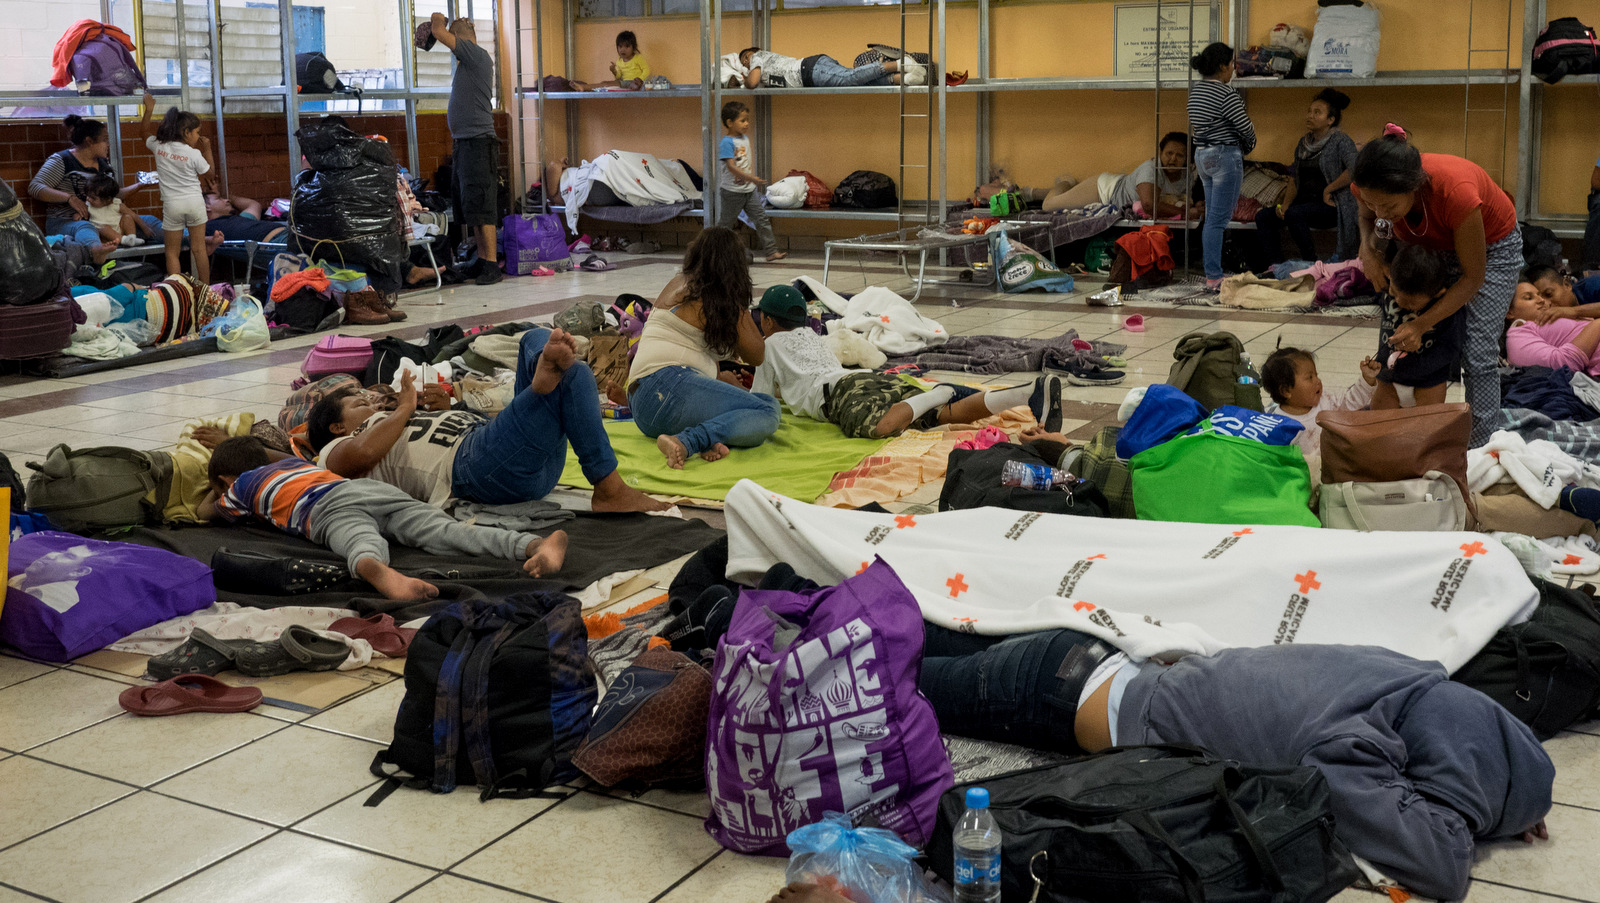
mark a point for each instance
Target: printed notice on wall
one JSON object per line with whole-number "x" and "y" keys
{"x": 1143, "y": 28}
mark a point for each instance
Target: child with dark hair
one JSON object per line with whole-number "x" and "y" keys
{"x": 1318, "y": 195}
{"x": 356, "y": 518}
{"x": 1563, "y": 296}
{"x": 629, "y": 71}
{"x": 183, "y": 160}
{"x": 113, "y": 221}
{"x": 1419, "y": 279}
{"x": 739, "y": 188}
{"x": 1290, "y": 377}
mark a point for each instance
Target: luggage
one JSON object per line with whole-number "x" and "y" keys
{"x": 1270, "y": 62}
{"x": 69, "y": 596}
{"x": 308, "y": 310}
{"x": 1430, "y": 502}
{"x": 1401, "y": 444}
{"x": 314, "y": 74}
{"x": 532, "y": 240}
{"x": 865, "y": 189}
{"x": 387, "y": 353}
{"x": 1212, "y": 368}
{"x": 787, "y": 193}
{"x": 1345, "y": 43}
{"x": 1546, "y": 670}
{"x": 972, "y": 480}
{"x": 94, "y": 488}
{"x": 337, "y": 354}
{"x": 1565, "y": 47}
{"x": 108, "y": 67}
{"x": 349, "y": 199}
{"x": 1158, "y": 823}
{"x": 37, "y": 330}
{"x": 1288, "y": 37}
{"x": 28, "y": 274}
{"x": 818, "y": 194}
{"x": 815, "y": 709}
{"x": 497, "y": 694}
{"x": 650, "y": 728}
{"x": 1213, "y": 478}
{"x": 583, "y": 318}
{"x": 1164, "y": 412}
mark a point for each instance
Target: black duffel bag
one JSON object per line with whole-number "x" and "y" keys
{"x": 28, "y": 274}
{"x": 1158, "y": 824}
{"x": 865, "y": 189}
{"x": 972, "y": 480}
{"x": 1565, "y": 47}
{"x": 1546, "y": 670}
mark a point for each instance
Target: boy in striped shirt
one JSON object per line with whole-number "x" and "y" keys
{"x": 356, "y": 518}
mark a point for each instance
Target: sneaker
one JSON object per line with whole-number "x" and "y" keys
{"x": 1213, "y": 285}
{"x": 1045, "y": 402}
{"x": 1093, "y": 375}
{"x": 914, "y": 74}
{"x": 489, "y": 274}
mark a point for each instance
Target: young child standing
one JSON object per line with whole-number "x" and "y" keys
{"x": 183, "y": 156}
{"x": 1418, "y": 279}
{"x": 739, "y": 181}
{"x": 111, "y": 218}
{"x": 1290, "y": 378}
{"x": 801, "y": 369}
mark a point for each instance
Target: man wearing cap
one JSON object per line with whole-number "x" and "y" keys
{"x": 476, "y": 151}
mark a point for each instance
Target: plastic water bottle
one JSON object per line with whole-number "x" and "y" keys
{"x": 1033, "y": 476}
{"x": 977, "y": 845}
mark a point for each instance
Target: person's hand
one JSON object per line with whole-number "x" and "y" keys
{"x": 614, "y": 72}
{"x": 1198, "y": 211}
{"x": 1537, "y": 832}
{"x": 1377, "y": 272}
{"x": 78, "y": 206}
{"x": 1369, "y": 370}
{"x": 434, "y": 398}
{"x": 209, "y": 437}
{"x": 439, "y": 21}
{"x": 731, "y": 378}
{"x": 760, "y": 182}
{"x": 407, "y": 396}
{"x": 1547, "y": 315}
{"x": 149, "y": 102}
{"x": 1407, "y": 337}
{"x": 1327, "y": 196}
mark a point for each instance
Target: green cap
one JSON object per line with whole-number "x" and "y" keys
{"x": 784, "y": 303}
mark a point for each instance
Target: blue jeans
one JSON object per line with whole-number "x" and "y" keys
{"x": 84, "y": 233}
{"x": 1020, "y": 689}
{"x": 1221, "y": 171}
{"x": 701, "y": 412}
{"x": 828, "y": 72}
{"x": 519, "y": 455}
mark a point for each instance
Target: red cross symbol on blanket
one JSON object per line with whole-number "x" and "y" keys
{"x": 1084, "y": 606}
{"x": 1473, "y": 548}
{"x": 957, "y": 585}
{"x": 863, "y": 568}
{"x": 884, "y": 318}
{"x": 904, "y": 521}
{"x": 1572, "y": 559}
{"x": 1100, "y": 557}
{"x": 1308, "y": 581}
{"x": 1246, "y": 531}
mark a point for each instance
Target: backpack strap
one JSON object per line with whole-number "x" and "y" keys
{"x": 447, "y": 705}
{"x": 475, "y": 701}
{"x": 1188, "y": 352}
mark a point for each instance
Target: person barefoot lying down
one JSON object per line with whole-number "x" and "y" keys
{"x": 356, "y": 518}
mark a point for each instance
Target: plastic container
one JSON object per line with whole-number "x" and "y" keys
{"x": 1033, "y": 476}
{"x": 977, "y": 852}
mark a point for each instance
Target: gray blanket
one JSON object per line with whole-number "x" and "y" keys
{"x": 1578, "y": 438}
{"x": 624, "y": 213}
{"x": 991, "y": 355}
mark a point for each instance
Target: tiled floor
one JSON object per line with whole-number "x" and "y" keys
{"x": 101, "y": 807}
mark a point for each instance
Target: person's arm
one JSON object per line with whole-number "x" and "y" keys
{"x": 1594, "y": 178}
{"x": 1529, "y": 345}
{"x": 746, "y": 175}
{"x": 751, "y": 345}
{"x": 1239, "y": 118}
{"x": 752, "y": 79}
{"x": 206, "y": 511}
{"x": 1372, "y": 264}
{"x": 644, "y": 69}
{"x": 1472, "y": 248}
{"x": 1289, "y": 194}
{"x": 441, "y": 31}
{"x": 245, "y": 206}
{"x": 357, "y": 456}
{"x": 149, "y": 104}
{"x": 1581, "y": 312}
{"x": 1335, "y": 187}
{"x": 43, "y": 186}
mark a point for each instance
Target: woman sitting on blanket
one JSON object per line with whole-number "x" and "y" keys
{"x": 678, "y": 395}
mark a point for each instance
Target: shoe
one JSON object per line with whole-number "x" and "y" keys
{"x": 1093, "y": 375}
{"x": 580, "y": 245}
{"x": 365, "y": 308}
{"x": 1045, "y": 402}
{"x": 392, "y": 308}
{"x": 298, "y": 648}
{"x": 914, "y": 74}
{"x": 1213, "y": 285}
{"x": 131, "y": 241}
{"x": 188, "y": 693}
{"x": 202, "y": 653}
{"x": 490, "y": 274}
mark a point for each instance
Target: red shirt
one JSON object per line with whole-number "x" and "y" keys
{"x": 1455, "y": 188}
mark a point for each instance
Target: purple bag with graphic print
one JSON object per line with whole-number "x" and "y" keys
{"x": 68, "y": 596}
{"x": 533, "y": 240}
{"x": 815, "y": 708}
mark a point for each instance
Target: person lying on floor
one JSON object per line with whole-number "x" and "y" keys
{"x": 1565, "y": 297}
{"x": 356, "y": 518}
{"x": 1558, "y": 342}
{"x": 800, "y": 368}
{"x": 516, "y": 457}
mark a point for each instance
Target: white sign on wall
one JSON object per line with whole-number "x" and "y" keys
{"x": 1143, "y": 28}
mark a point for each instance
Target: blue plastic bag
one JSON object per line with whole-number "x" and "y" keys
{"x": 1232, "y": 420}
{"x": 866, "y": 865}
{"x": 1165, "y": 412}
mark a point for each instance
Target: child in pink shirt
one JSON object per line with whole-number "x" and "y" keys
{"x": 1290, "y": 377}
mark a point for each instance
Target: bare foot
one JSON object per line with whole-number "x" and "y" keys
{"x": 418, "y": 275}
{"x": 616, "y": 394}
{"x": 613, "y": 495}
{"x": 393, "y": 584}
{"x": 559, "y": 353}
{"x": 807, "y": 893}
{"x": 776, "y": 255}
{"x": 545, "y": 556}
{"x": 214, "y": 241}
{"x": 715, "y": 453}
{"x": 101, "y": 252}
{"x": 673, "y": 449}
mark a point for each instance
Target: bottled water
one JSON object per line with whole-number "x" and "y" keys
{"x": 1033, "y": 476}
{"x": 977, "y": 844}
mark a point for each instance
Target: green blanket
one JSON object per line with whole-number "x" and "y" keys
{"x": 799, "y": 461}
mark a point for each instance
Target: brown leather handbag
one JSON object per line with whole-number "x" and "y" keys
{"x": 1398, "y": 444}
{"x": 650, "y": 728}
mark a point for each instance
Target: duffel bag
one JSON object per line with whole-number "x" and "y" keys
{"x": 101, "y": 487}
{"x": 972, "y": 480}
{"x": 1431, "y": 502}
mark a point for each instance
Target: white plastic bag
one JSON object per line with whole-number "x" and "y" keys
{"x": 1345, "y": 44}
{"x": 788, "y": 193}
{"x": 243, "y": 327}
{"x": 1289, "y": 37}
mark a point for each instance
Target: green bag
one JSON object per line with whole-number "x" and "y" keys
{"x": 1217, "y": 479}
{"x": 1213, "y": 369}
{"x": 1098, "y": 255}
{"x": 100, "y": 487}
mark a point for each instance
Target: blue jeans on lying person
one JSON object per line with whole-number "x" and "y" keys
{"x": 701, "y": 412}
{"x": 519, "y": 455}
{"x": 84, "y": 233}
{"x": 828, "y": 72}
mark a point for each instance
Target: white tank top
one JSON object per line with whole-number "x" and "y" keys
{"x": 670, "y": 341}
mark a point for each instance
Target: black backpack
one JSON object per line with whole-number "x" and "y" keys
{"x": 865, "y": 189}
{"x": 387, "y": 355}
{"x": 1546, "y": 670}
{"x": 972, "y": 480}
{"x": 314, "y": 74}
{"x": 1540, "y": 247}
{"x": 497, "y": 694}
{"x": 307, "y": 311}
{"x": 1158, "y": 823}
{"x": 1565, "y": 47}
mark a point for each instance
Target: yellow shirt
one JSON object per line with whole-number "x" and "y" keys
{"x": 634, "y": 68}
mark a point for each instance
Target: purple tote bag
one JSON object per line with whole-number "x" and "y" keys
{"x": 68, "y": 596}
{"x": 532, "y": 240}
{"x": 826, "y": 719}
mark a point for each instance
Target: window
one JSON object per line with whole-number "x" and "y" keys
{"x": 435, "y": 67}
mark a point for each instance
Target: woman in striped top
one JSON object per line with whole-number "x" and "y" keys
{"x": 1223, "y": 134}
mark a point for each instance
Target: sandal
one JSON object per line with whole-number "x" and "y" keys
{"x": 202, "y": 654}
{"x": 298, "y": 648}
{"x": 643, "y": 246}
{"x": 380, "y": 631}
{"x": 190, "y": 693}
{"x": 594, "y": 263}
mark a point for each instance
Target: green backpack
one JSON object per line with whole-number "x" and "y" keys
{"x": 1213, "y": 369}
{"x": 94, "y": 488}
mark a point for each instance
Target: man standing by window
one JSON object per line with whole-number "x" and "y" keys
{"x": 476, "y": 154}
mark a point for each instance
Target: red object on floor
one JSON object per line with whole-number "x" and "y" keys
{"x": 380, "y": 632}
{"x": 189, "y": 693}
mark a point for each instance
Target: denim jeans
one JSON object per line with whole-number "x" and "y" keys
{"x": 84, "y": 233}
{"x": 1221, "y": 171}
{"x": 1019, "y": 689}
{"x": 519, "y": 455}
{"x": 828, "y": 72}
{"x": 700, "y": 412}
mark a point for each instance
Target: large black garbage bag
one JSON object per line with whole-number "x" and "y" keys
{"x": 28, "y": 274}
{"x": 346, "y": 208}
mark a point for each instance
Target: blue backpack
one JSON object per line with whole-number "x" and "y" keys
{"x": 107, "y": 66}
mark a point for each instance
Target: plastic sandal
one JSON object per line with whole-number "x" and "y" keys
{"x": 541, "y": 271}
{"x": 202, "y": 653}
{"x": 298, "y": 648}
{"x": 1134, "y": 323}
{"x": 594, "y": 263}
{"x": 189, "y": 693}
{"x": 380, "y": 631}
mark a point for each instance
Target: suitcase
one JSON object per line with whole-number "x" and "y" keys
{"x": 338, "y": 354}
{"x": 35, "y": 330}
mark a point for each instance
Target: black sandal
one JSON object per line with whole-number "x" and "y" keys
{"x": 202, "y": 653}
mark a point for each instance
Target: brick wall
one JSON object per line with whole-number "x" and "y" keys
{"x": 257, "y": 150}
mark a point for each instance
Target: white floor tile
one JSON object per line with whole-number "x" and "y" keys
{"x": 282, "y": 778}
{"x": 38, "y": 796}
{"x": 291, "y": 867}
{"x": 53, "y": 705}
{"x": 145, "y": 750}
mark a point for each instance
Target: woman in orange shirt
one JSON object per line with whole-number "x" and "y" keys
{"x": 1451, "y": 205}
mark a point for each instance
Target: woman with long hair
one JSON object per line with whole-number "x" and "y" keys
{"x": 676, "y": 390}
{"x": 1223, "y": 134}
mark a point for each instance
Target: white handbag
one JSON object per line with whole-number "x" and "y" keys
{"x": 1432, "y": 502}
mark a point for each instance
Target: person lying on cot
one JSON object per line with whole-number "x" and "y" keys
{"x": 356, "y": 518}
{"x": 516, "y": 457}
{"x": 801, "y": 369}
{"x": 765, "y": 69}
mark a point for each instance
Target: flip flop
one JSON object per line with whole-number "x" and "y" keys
{"x": 202, "y": 653}
{"x": 298, "y": 648}
{"x": 1134, "y": 323}
{"x": 594, "y": 263}
{"x": 380, "y": 631}
{"x": 189, "y": 693}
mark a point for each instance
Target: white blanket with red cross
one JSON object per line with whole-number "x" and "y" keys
{"x": 1156, "y": 590}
